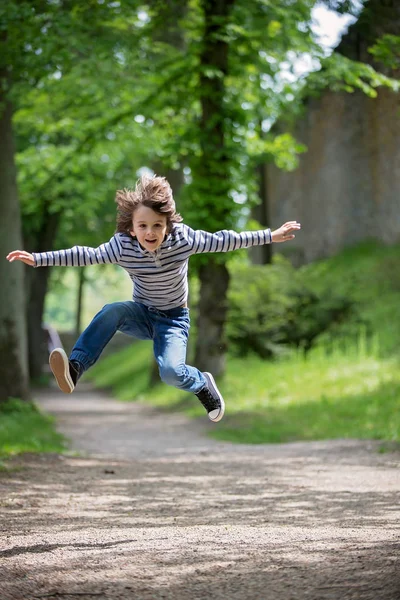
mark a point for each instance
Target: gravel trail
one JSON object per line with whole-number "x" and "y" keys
{"x": 148, "y": 507}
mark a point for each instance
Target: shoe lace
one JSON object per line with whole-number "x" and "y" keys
{"x": 207, "y": 399}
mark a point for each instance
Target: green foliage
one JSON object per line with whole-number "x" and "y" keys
{"x": 271, "y": 309}
{"x": 103, "y": 88}
{"x": 84, "y": 111}
{"x": 283, "y": 149}
{"x": 339, "y": 73}
{"x": 387, "y": 51}
{"x": 274, "y": 308}
{"x": 368, "y": 275}
{"x": 95, "y": 102}
{"x": 24, "y": 428}
{"x": 41, "y": 38}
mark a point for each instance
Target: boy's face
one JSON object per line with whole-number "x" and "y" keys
{"x": 149, "y": 227}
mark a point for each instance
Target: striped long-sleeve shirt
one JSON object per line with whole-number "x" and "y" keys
{"x": 160, "y": 277}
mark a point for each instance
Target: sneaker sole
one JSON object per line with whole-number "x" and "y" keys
{"x": 59, "y": 364}
{"x": 222, "y": 410}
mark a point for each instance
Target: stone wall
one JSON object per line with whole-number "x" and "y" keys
{"x": 347, "y": 186}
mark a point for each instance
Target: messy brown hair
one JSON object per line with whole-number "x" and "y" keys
{"x": 151, "y": 191}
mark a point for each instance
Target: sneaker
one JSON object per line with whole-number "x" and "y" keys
{"x": 66, "y": 372}
{"x": 211, "y": 399}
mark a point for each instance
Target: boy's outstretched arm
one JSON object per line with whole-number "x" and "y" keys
{"x": 21, "y": 255}
{"x": 227, "y": 240}
{"x": 285, "y": 232}
{"x": 77, "y": 256}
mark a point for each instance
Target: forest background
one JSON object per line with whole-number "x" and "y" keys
{"x": 207, "y": 94}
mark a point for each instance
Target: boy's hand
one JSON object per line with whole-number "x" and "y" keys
{"x": 21, "y": 255}
{"x": 285, "y": 232}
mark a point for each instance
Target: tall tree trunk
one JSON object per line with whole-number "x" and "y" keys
{"x": 79, "y": 302}
{"x": 211, "y": 345}
{"x": 211, "y": 176}
{"x": 262, "y": 255}
{"x": 37, "y": 283}
{"x": 37, "y": 337}
{"x": 13, "y": 336}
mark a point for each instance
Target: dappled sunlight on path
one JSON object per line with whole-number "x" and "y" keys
{"x": 152, "y": 508}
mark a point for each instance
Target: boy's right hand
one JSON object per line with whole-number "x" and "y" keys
{"x": 21, "y": 255}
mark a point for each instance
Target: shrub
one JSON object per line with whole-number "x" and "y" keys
{"x": 270, "y": 309}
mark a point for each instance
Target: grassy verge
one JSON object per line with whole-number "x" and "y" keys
{"x": 347, "y": 386}
{"x": 23, "y": 428}
{"x": 326, "y": 395}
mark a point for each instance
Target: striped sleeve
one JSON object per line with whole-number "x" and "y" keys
{"x": 81, "y": 256}
{"x": 227, "y": 240}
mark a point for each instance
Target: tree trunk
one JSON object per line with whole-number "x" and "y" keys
{"x": 262, "y": 255}
{"x": 37, "y": 283}
{"x": 37, "y": 337}
{"x": 79, "y": 302}
{"x": 211, "y": 177}
{"x": 13, "y": 335}
{"x": 211, "y": 345}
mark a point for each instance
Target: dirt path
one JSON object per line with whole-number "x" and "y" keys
{"x": 152, "y": 509}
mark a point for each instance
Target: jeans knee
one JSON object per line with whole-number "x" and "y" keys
{"x": 111, "y": 315}
{"x": 114, "y": 312}
{"x": 173, "y": 375}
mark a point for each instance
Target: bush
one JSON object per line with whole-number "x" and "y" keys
{"x": 271, "y": 309}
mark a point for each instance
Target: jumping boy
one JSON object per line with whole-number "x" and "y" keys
{"x": 153, "y": 246}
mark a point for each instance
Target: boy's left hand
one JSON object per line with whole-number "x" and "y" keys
{"x": 285, "y": 232}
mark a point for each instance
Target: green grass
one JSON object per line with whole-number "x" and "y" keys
{"x": 314, "y": 399}
{"x": 368, "y": 274}
{"x": 322, "y": 397}
{"x": 23, "y": 428}
{"x": 347, "y": 387}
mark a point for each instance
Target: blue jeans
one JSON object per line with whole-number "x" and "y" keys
{"x": 169, "y": 330}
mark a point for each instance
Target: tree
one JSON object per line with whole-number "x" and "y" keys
{"x": 83, "y": 115}
{"x": 241, "y": 86}
{"x": 197, "y": 103}
{"x": 233, "y": 40}
{"x": 43, "y": 42}
{"x": 211, "y": 175}
{"x": 13, "y": 339}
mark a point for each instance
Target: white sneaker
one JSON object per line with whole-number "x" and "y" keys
{"x": 65, "y": 374}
